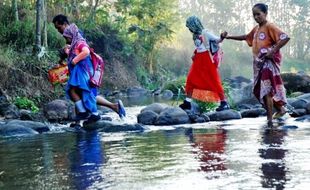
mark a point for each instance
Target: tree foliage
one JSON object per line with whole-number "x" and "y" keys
{"x": 152, "y": 33}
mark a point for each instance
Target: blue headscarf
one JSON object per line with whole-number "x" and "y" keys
{"x": 194, "y": 25}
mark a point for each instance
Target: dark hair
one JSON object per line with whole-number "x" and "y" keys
{"x": 62, "y": 54}
{"x": 262, "y": 6}
{"x": 60, "y": 19}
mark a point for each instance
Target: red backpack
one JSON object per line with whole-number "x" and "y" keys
{"x": 98, "y": 65}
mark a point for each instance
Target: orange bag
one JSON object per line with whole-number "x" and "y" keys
{"x": 58, "y": 75}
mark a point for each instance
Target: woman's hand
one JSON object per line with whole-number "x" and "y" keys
{"x": 269, "y": 54}
{"x": 224, "y": 35}
{"x": 193, "y": 56}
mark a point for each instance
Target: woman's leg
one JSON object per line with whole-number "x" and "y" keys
{"x": 268, "y": 106}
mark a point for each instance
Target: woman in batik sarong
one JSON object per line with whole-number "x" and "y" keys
{"x": 203, "y": 80}
{"x": 266, "y": 39}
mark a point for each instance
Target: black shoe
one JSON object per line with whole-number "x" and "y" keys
{"x": 81, "y": 116}
{"x": 92, "y": 119}
{"x": 223, "y": 106}
{"x": 186, "y": 105}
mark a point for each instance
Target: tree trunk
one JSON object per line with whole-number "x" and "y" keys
{"x": 15, "y": 9}
{"x": 44, "y": 13}
{"x": 75, "y": 9}
{"x": 92, "y": 16}
{"x": 38, "y": 26}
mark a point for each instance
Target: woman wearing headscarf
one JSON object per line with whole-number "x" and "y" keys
{"x": 80, "y": 68}
{"x": 203, "y": 80}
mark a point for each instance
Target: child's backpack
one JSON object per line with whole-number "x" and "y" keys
{"x": 98, "y": 65}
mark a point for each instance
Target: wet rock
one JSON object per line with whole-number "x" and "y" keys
{"x": 245, "y": 106}
{"x": 167, "y": 95}
{"x": 106, "y": 118}
{"x": 13, "y": 130}
{"x": 155, "y": 107}
{"x": 11, "y": 112}
{"x": 253, "y": 113}
{"x": 296, "y": 82}
{"x": 108, "y": 126}
{"x": 224, "y": 115}
{"x": 26, "y": 115}
{"x": 137, "y": 92}
{"x": 57, "y": 110}
{"x": 296, "y": 94}
{"x": 37, "y": 126}
{"x": 298, "y": 112}
{"x": 299, "y": 103}
{"x": 147, "y": 117}
{"x": 201, "y": 119}
{"x": 156, "y": 92}
{"x": 172, "y": 116}
{"x": 308, "y": 108}
{"x": 305, "y": 118}
{"x": 238, "y": 81}
{"x": 291, "y": 100}
{"x": 305, "y": 97}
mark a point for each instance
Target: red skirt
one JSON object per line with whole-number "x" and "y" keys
{"x": 203, "y": 80}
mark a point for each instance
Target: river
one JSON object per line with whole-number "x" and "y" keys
{"x": 236, "y": 154}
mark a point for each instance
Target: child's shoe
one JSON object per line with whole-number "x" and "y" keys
{"x": 186, "y": 105}
{"x": 223, "y": 106}
{"x": 121, "y": 109}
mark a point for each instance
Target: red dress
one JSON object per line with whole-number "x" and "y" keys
{"x": 203, "y": 80}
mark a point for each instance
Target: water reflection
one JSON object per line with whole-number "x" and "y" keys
{"x": 86, "y": 160}
{"x": 273, "y": 168}
{"x": 210, "y": 147}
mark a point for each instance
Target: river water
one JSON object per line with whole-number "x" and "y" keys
{"x": 236, "y": 154}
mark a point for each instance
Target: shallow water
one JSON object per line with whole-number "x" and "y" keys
{"x": 237, "y": 154}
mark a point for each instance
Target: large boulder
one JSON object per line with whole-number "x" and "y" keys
{"x": 296, "y": 82}
{"x": 172, "y": 116}
{"x": 37, "y": 126}
{"x": 224, "y": 115}
{"x": 137, "y": 92}
{"x": 13, "y": 129}
{"x": 58, "y": 110}
{"x": 251, "y": 113}
{"x": 108, "y": 126}
{"x": 147, "y": 117}
{"x": 155, "y": 107}
{"x": 244, "y": 95}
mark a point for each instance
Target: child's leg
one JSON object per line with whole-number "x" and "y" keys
{"x": 76, "y": 98}
{"x": 104, "y": 102}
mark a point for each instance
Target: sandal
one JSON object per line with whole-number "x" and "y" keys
{"x": 278, "y": 115}
{"x": 121, "y": 109}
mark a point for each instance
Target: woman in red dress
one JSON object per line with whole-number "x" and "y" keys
{"x": 203, "y": 80}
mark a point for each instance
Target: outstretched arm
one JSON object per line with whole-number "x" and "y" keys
{"x": 239, "y": 38}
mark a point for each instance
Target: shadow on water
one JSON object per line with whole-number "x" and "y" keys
{"x": 273, "y": 168}
{"x": 86, "y": 160}
{"x": 209, "y": 147}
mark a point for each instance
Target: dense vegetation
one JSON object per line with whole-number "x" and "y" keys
{"x": 143, "y": 41}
